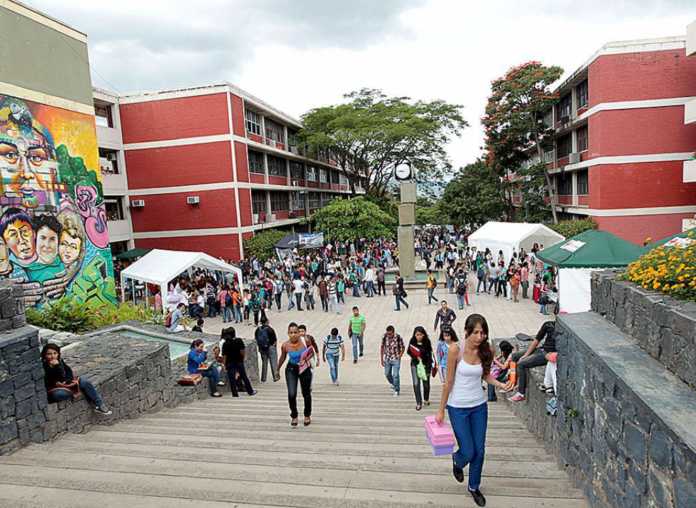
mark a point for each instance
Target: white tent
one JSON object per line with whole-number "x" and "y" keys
{"x": 512, "y": 236}
{"x": 161, "y": 266}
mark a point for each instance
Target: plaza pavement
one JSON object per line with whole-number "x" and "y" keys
{"x": 505, "y": 319}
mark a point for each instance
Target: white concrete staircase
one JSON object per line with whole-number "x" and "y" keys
{"x": 363, "y": 449}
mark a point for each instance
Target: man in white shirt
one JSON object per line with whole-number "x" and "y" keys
{"x": 298, "y": 290}
{"x": 369, "y": 280}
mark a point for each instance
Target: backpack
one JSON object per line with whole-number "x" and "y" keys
{"x": 481, "y": 273}
{"x": 552, "y": 406}
{"x": 461, "y": 288}
{"x": 228, "y": 299}
{"x": 262, "y": 339}
{"x": 168, "y": 319}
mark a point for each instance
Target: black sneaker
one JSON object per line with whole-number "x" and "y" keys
{"x": 355, "y": 361}
{"x": 458, "y": 472}
{"x": 254, "y": 392}
{"x": 478, "y": 497}
{"x": 102, "y": 410}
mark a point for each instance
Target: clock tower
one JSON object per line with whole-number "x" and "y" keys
{"x": 407, "y": 219}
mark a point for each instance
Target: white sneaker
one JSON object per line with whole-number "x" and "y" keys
{"x": 396, "y": 394}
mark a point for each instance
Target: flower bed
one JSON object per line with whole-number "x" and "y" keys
{"x": 670, "y": 269}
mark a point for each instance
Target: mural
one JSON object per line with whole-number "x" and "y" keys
{"x": 53, "y": 233}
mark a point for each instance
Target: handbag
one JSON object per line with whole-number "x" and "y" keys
{"x": 306, "y": 358}
{"x": 190, "y": 379}
{"x": 73, "y": 387}
{"x": 420, "y": 371}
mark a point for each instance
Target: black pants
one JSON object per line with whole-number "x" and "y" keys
{"x": 292, "y": 376}
{"x": 536, "y": 359}
{"x": 232, "y": 370}
{"x": 325, "y": 303}
{"x": 417, "y": 385}
{"x": 381, "y": 288}
{"x": 277, "y": 299}
{"x": 298, "y": 300}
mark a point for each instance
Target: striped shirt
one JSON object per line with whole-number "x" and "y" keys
{"x": 333, "y": 344}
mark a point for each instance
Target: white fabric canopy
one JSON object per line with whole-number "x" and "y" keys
{"x": 574, "y": 289}
{"x": 512, "y": 236}
{"x": 161, "y": 266}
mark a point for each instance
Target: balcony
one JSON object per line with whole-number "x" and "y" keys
{"x": 109, "y": 137}
{"x": 115, "y": 184}
{"x": 689, "y": 171}
{"x": 119, "y": 230}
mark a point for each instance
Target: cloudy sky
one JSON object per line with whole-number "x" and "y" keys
{"x": 299, "y": 54}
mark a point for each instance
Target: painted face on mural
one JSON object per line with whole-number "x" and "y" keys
{"x": 19, "y": 237}
{"x": 5, "y": 265}
{"x": 46, "y": 245}
{"x": 70, "y": 247}
{"x": 25, "y": 165}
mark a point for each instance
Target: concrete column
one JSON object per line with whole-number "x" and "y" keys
{"x": 575, "y": 188}
{"x": 407, "y": 219}
{"x": 265, "y": 168}
{"x": 268, "y": 206}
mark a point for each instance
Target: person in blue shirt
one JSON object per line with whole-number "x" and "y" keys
{"x": 196, "y": 358}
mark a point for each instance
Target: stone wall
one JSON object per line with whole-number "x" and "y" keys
{"x": 663, "y": 326}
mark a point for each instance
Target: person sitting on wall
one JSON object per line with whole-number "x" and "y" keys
{"x": 175, "y": 319}
{"x": 61, "y": 383}
{"x": 196, "y": 365}
{"x": 535, "y": 356}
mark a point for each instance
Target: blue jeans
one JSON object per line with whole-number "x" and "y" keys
{"x": 399, "y": 300}
{"x": 430, "y": 295}
{"x": 370, "y": 288}
{"x": 227, "y": 314}
{"x": 391, "y": 372}
{"x": 357, "y": 340}
{"x": 333, "y": 360}
{"x": 87, "y": 389}
{"x": 213, "y": 378}
{"x": 460, "y": 301}
{"x": 469, "y": 425}
{"x": 237, "y": 312}
{"x": 356, "y": 290}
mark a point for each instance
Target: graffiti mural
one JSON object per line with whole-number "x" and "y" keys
{"x": 53, "y": 234}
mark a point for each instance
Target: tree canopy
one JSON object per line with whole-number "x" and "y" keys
{"x": 473, "y": 196}
{"x": 371, "y": 134}
{"x": 350, "y": 219}
{"x": 262, "y": 244}
{"x": 514, "y": 121}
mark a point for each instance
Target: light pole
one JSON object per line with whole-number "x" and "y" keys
{"x": 407, "y": 219}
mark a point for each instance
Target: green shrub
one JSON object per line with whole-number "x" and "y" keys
{"x": 570, "y": 228}
{"x": 262, "y": 245}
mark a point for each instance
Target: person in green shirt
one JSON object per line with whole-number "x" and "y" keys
{"x": 356, "y": 330}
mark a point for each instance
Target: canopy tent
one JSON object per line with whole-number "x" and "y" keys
{"x": 132, "y": 254}
{"x": 161, "y": 266}
{"x": 294, "y": 240}
{"x": 578, "y": 257}
{"x": 512, "y": 236}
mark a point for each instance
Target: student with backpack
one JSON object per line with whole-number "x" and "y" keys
{"x": 267, "y": 344}
{"x": 462, "y": 296}
{"x": 430, "y": 285}
{"x": 333, "y": 346}
{"x": 481, "y": 275}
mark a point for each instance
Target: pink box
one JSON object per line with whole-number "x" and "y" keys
{"x": 439, "y": 434}
{"x": 447, "y": 449}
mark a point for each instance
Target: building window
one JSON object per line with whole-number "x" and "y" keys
{"x": 564, "y": 108}
{"x": 582, "y": 139}
{"x": 280, "y": 201}
{"x": 334, "y": 176}
{"x": 276, "y": 166}
{"x": 256, "y": 162}
{"x": 292, "y": 139}
{"x": 102, "y": 115}
{"x": 322, "y": 175}
{"x": 274, "y": 131}
{"x": 311, "y": 173}
{"x": 253, "y": 122}
{"x": 582, "y": 94}
{"x": 108, "y": 163}
{"x": 258, "y": 201}
{"x": 314, "y": 200}
{"x": 583, "y": 183}
{"x": 326, "y": 198}
{"x": 114, "y": 210}
{"x": 565, "y": 184}
{"x": 296, "y": 170}
{"x": 298, "y": 201}
{"x": 564, "y": 146}
{"x": 342, "y": 179}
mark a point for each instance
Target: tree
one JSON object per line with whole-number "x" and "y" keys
{"x": 474, "y": 196}
{"x": 350, "y": 219}
{"x": 428, "y": 211}
{"x": 533, "y": 190}
{"x": 514, "y": 120}
{"x": 571, "y": 227}
{"x": 262, "y": 245}
{"x": 371, "y": 134}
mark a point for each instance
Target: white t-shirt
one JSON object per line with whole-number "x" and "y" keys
{"x": 298, "y": 285}
{"x": 467, "y": 390}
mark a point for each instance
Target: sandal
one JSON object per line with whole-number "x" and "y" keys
{"x": 418, "y": 407}
{"x": 293, "y": 422}
{"x": 307, "y": 421}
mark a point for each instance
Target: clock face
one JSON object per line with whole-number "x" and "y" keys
{"x": 402, "y": 172}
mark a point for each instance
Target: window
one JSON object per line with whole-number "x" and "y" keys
{"x": 253, "y": 122}
{"x": 549, "y": 156}
{"x": 258, "y": 201}
{"x": 280, "y": 201}
{"x": 314, "y": 200}
{"x": 563, "y": 146}
{"x": 326, "y": 198}
{"x": 311, "y": 173}
{"x": 276, "y": 166}
{"x": 582, "y": 94}
{"x": 114, "y": 210}
{"x": 322, "y": 175}
{"x": 110, "y": 165}
{"x": 334, "y": 176}
{"x": 102, "y": 115}
{"x": 296, "y": 170}
{"x": 582, "y": 139}
{"x": 565, "y": 184}
{"x": 342, "y": 179}
{"x": 256, "y": 162}
{"x": 292, "y": 139}
{"x": 274, "y": 131}
{"x": 583, "y": 183}
{"x": 298, "y": 201}
{"x": 564, "y": 107}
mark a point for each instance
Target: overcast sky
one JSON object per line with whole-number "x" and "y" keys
{"x": 300, "y": 54}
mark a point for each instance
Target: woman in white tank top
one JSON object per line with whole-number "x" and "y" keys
{"x": 465, "y": 400}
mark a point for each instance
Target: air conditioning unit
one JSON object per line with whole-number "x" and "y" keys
{"x": 273, "y": 217}
{"x": 193, "y": 200}
{"x": 574, "y": 158}
{"x": 137, "y": 203}
{"x": 294, "y": 183}
{"x": 255, "y": 218}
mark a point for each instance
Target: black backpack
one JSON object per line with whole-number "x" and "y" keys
{"x": 262, "y": 339}
{"x": 461, "y": 288}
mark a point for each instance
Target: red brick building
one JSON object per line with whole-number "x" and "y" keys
{"x": 622, "y": 143}
{"x": 209, "y": 166}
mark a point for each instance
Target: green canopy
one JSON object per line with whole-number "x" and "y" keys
{"x": 591, "y": 249}
{"x": 132, "y": 254}
{"x": 663, "y": 241}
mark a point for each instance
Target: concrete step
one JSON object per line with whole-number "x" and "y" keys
{"x": 297, "y": 493}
